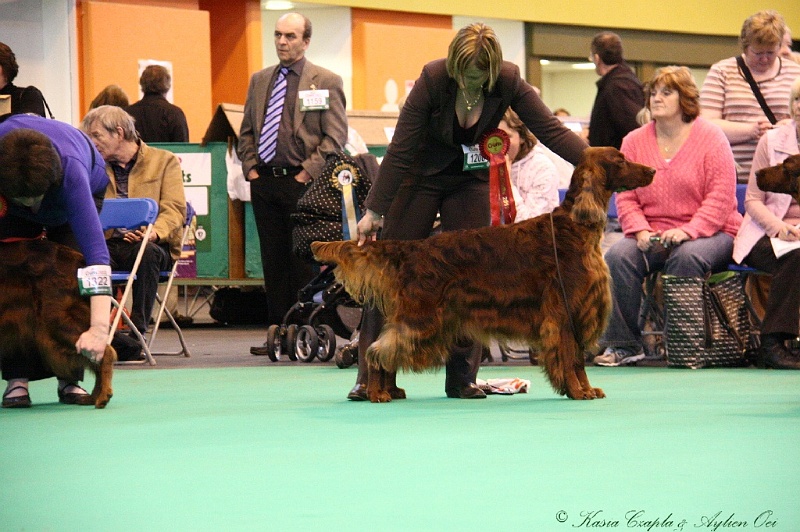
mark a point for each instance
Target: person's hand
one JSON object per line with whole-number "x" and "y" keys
{"x": 252, "y": 175}
{"x": 92, "y": 343}
{"x": 761, "y": 127}
{"x": 303, "y": 177}
{"x": 643, "y": 242}
{"x": 368, "y": 226}
{"x": 673, "y": 237}
{"x": 138, "y": 235}
{"x": 789, "y": 233}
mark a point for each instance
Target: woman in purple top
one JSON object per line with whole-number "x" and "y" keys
{"x": 52, "y": 180}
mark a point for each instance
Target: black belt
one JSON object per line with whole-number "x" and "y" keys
{"x": 278, "y": 171}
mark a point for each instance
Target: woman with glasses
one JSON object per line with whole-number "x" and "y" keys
{"x": 727, "y": 98}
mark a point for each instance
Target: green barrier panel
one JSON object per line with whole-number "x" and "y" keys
{"x": 252, "y": 248}
{"x": 205, "y": 184}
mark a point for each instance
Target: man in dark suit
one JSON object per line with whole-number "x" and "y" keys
{"x": 311, "y": 125}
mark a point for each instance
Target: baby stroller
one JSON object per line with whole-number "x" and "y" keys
{"x": 328, "y": 211}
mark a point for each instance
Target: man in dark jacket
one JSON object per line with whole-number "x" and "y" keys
{"x": 157, "y": 120}
{"x": 619, "y": 93}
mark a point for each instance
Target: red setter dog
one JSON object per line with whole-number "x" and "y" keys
{"x": 42, "y": 313}
{"x": 783, "y": 178}
{"x": 503, "y": 283}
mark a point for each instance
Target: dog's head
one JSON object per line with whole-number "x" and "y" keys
{"x": 602, "y": 172}
{"x": 781, "y": 178}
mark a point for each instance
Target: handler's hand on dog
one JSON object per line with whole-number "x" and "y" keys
{"x": 92, "y": 343}
{"x": 368, "y": 226}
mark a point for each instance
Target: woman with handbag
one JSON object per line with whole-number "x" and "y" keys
{"x": 684, "y": 222}
{"x": 746, "y": 95}
{"x": 772, "y": 215}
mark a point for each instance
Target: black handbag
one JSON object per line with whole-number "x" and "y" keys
{"x": 321, "y": 214}
{"x": 707, "y": 321}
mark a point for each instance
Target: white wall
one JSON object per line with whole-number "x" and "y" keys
{"x": 41, "y": 34}
{"x": 331, "y": 41}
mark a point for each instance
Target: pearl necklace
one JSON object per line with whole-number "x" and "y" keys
{"x": 471, "y": 104}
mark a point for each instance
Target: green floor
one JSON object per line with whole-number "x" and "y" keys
{"x": 279, "y": 448}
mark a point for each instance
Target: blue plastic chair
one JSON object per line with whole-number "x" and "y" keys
{"x": 129, "y": 214}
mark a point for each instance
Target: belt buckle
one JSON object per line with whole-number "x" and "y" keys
{"x": 279, "y": 171}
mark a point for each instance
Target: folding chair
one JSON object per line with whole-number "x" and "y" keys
{"x": 129, "y": 213}
{"x": 168, "y": 277}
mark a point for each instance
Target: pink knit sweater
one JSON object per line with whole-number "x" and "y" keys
{"x": 694, "y": 191}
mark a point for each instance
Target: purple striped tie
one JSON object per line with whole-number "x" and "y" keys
{"x": 268, "y": 140}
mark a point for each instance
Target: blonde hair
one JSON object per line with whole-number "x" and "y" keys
{"x": 794, "y": 94}
{"x": 475, "y": 43}
{"x": 765, "y": 28}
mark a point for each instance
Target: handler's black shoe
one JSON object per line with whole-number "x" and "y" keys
{"x": 358, "y": 393}
{"x": 777, "y": 356}
{"x": 470, "y": 391}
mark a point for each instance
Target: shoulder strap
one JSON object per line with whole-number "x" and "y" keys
{"x": 756, "y": 91}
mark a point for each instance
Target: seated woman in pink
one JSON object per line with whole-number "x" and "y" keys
{"x": 690, "y": 207}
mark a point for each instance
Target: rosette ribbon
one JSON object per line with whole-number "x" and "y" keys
{"x": 494, "y": 146}
{"x": 345, "y": 177}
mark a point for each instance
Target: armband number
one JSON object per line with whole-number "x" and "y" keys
{"x": 95, "y": 280}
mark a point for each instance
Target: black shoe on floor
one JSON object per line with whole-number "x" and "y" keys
{"x": 128, "y": 349}
{"x": 261, "y": 350}
{"x": 470, "y": 391}
{"x": 74, "y": 398}
{"x": 777, "y": 356}
{"x": 20, "y": 401}
{"x": 358, "y": 393}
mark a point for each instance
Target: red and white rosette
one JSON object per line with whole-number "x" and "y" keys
{"x": 494, "y": 146}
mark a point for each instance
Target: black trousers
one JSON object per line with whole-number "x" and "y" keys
{"x": 462, "y": 202}
{"x": 17, "y": 365}
{"x": 274, "y": 199}
{"x": 156, "y": 259}
{"x": 782, "y": 313}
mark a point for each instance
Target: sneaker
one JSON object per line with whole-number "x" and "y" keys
{"x": 618, "y": 356}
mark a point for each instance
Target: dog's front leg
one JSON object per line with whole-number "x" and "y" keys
{"x": 102, "y": 392}
{"x": 390, "y": 385}
{"x": 376, "y": 391}
{"x": 580, "y": 371}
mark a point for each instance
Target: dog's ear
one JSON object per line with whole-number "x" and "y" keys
{"x": 589, "y": 207}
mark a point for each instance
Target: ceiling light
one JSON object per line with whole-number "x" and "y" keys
{"x": 583, "y": 66}
{"x": 278, "y": 5}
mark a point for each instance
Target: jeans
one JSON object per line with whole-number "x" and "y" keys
{"x": 629, "y": 266}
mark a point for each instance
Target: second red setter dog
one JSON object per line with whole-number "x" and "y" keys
{"x": 42, "y": 314}
{"x": 497, "y": 283}
{"x": 783, "y": 178}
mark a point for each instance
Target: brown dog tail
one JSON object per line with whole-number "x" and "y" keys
{"x": 365, "y": 276}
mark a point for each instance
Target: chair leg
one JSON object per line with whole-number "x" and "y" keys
{"x": 163, "y": 311}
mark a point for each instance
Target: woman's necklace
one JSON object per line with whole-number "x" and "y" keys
{"x": 671, "y": 143}
{"x": 473, "y": 103}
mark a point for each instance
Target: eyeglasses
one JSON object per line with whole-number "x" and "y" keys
{"x": 766, "y": 54}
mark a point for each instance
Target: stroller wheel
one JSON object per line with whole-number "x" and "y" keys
{"x": 345, "y": 356}
{"x": 274, "y": 341}
{"x": 289, "y": 342}
{"x": 327, "y": 343}
{"x": 306, "y": 344}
